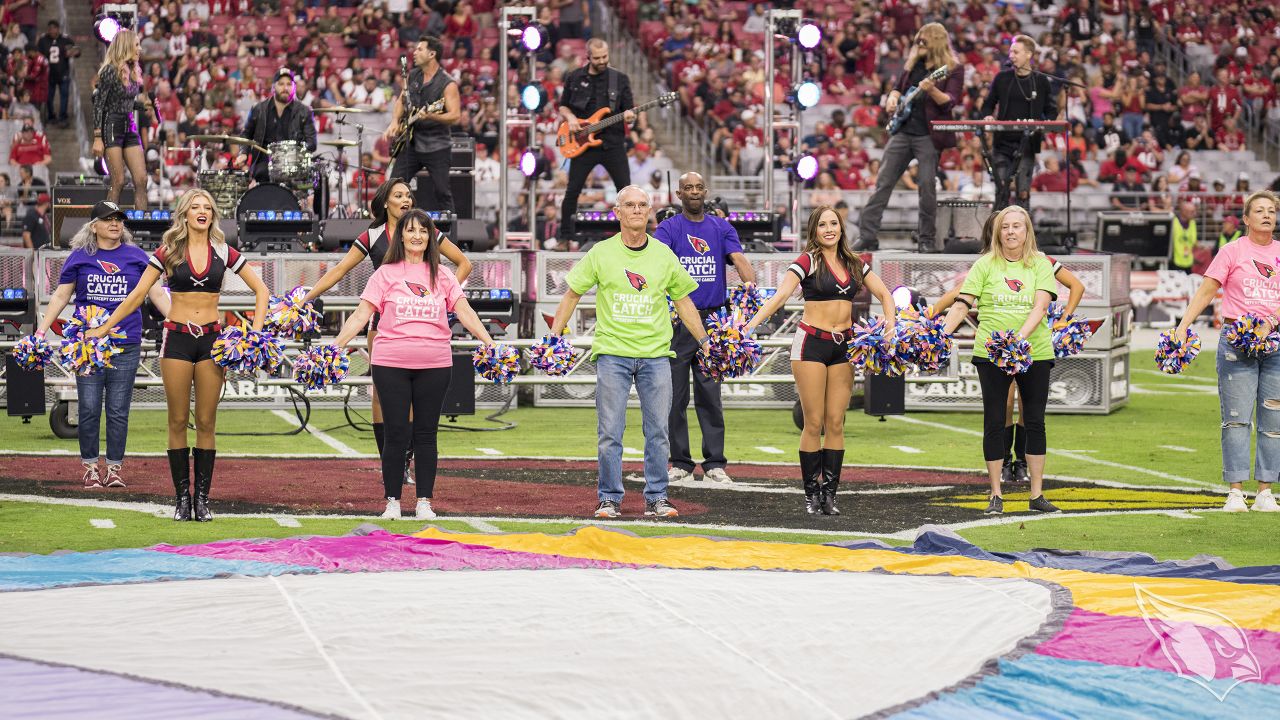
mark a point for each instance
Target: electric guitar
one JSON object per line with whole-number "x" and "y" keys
{"x": 906, "y": 102}
{"x": 412, "y": 116}
{"x": 573, "y": 144}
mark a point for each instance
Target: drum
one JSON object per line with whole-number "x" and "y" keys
{"x": 268, "y": 196}
{"x": 291, "y": 164}
{"x": 226, "y": 187}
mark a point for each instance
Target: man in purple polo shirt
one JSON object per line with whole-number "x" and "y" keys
{"x": 703, "y": 243}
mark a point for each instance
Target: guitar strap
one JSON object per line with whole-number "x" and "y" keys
{"x": 613, "y": 90}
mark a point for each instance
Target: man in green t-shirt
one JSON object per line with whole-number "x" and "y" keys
{"x": 632, "y": 274}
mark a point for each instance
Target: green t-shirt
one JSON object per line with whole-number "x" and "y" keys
{"x": 1006, "y": 292}
{"x": 632, "y": 319}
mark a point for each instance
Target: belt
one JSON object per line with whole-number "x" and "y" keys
{"x": 192, "y": 329}
{"x": 838, "y": 337}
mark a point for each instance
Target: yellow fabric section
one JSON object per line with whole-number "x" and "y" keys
{"x": 1098, "y": 498}
{"x": 1249, "y": 606}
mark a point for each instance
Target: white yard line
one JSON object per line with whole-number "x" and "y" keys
{"x": 489, "y": 451}
{"x": 907, "y": 449}
{"x": 102, "y": 524}
{"x": 287, "y": 522}
{"x": 319, "y": 435}
{"x": 770, "y": 450}
{"x": 1178, "y": 448}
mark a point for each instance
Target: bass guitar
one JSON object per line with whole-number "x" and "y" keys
{"x": 573, "y": 144}
{"x": 906, "y": 102}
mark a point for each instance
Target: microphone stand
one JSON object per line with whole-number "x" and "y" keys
{"x": 363, "y": 187}
{"x": 1067, "y": 146}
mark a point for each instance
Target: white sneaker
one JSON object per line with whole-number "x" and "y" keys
{"x": 676, "y": 474}
{"x": 423, "y": 511}
{"x": 717, "y": 475}
{"x": 1265, "y": 502}
{"x": 393, "y": 510}
{"x": 1235, "y": 502}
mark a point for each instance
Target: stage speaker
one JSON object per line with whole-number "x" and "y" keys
{"x": 460, "y": 398}
{"x": 962, "y": 246}
{"x": 885, "y": 395}
{"x": 24, "y": 389}
{"x": 462, "y": 183}
{"x": 338, "y": 234}
{"x": 472, "y": 236}
{"x": 1144, "y": 234}
{"x": 77, "y": 201}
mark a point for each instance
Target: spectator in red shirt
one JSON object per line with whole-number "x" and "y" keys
{"x": 1259, "y": 91}
{"x": 1229, "y": 137}
{"x": 1224, "y": 101}
{"x": 749, "y": 139}
{"x": 1192, "y": 97}
{"x": 1053, "y": 179}
{"x": 30, "y": 147}
{"x": 461, "y": 26}
{"x": 867, "y": 115}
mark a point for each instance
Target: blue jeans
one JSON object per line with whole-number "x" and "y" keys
{"x": 1132, "y": 124}
{"x": 614, "y": 378}
{"x": 59, "y": 85}
{"x": 1245, "y": 384}
{"x": 116, "y": 383}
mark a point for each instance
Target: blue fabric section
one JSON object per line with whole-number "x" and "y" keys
{"x": 931, "y": 543}
{"x": 1044, "y": 687}
{"x": 113, "y": 567}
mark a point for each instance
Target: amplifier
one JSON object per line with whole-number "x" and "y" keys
{"x": 77, "y": 201}
{"x": 24, "y": 389}
{"x": 460, "y": 398}
{"x": 1145, "y": 234}
{"x": 462, "y": 185}
{"x": 463, "y": 155}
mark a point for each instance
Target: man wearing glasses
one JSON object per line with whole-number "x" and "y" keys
{"x": 912, "y": 138}
{"x": 632, "y": 274}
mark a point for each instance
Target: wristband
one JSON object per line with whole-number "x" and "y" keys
{"x": 705, "y": 339}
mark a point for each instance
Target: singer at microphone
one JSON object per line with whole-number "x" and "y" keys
{"x": 1018, "y": 93}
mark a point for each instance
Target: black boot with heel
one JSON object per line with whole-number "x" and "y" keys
{"x": 180, "y": 469}
{"x": 203, "y": 461}
{"x": 832, "y": 462}
{"x": 811, "y": 472}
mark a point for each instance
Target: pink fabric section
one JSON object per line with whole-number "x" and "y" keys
{"x": 1128, "y": 642}
{"x": 381, "y": 551}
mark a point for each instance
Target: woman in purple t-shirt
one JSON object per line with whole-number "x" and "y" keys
{"x": 103, "y": 268}
{"x": 412, "y": 361}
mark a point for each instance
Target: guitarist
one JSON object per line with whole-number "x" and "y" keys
{"x": 430, "y": 148}
{"x": 913, "y": 140}
{"x": 586, "y": 90}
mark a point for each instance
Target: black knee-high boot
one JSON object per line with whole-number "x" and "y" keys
{"x": 832, "y": 462}
{"x": 379, "y": 437}
{"x": 180, "y": 469}
{"x": 203, "y": 461}
{"x": 811, "y": 473}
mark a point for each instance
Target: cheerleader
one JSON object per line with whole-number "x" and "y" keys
{"x": 117, "y": 101}
{"x": 391, "y": 201}
{"x": 195, "y": 260}
{"x": 829, "y": 275}
{"x": 1011, "y": 287}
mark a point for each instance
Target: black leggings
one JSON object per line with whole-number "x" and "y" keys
{"x": 614, "y": 161}
{"x": 1033, "y": 386}
{"x": 424, "y": 390}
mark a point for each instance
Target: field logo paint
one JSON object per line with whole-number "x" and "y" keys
{"x": 1201, "y": 644}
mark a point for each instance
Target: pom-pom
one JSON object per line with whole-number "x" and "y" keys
{"x": 747, "y": 298}
{"x": 87, "y": 317}
{"x": 922, "y": 342}
{"x": 33, "y": 352}
{"x": 234, "y": 351}
{"x": 268, "y": 350}
{"x": 554, "y": 355}
{"x": 1070, "y": 332}
{"x": 731, "y": 352}
{"x": 288, "y": 314}
{"x": 496, "y": 363}
{"x": 85, "y": 355}
{"x": 1248, "y": 335}
{"x": 873, "y": 352}
{"x": 1009, "y": 352}
{"x": 1172, "y": 356}
{"x": 321, "y": 366}
{"x": 671, "y": 308}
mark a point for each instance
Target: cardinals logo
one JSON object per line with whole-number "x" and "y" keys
{"x": 699, "y": 245}
{"x": 419, "y": 290}
{"x": 109, "y": 266}
{"x": 637, "y": 280}
{"x": 1014, "y": 285}
{"x": 1203, "y": 645}
{"x": 1264, "y": 269}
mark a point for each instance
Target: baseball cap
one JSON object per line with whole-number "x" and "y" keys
{"x": 42, "y": 198}
{"x": 748, "y": 114}
{"x": 282, "y": 72}
{"x": 107, "y": 209}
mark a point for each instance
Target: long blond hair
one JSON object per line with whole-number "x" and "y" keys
{"x": 937, "y": 48}
{"x": 1030, "y": 251}
{"x": 175, "y": 240}
{"x": 86, "y": 238}
{"x": 117, "y": 57}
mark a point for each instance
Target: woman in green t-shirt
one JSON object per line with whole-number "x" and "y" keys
{"x": 1011, "y": 286}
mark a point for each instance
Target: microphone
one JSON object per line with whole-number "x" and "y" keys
{"x": 404, "y": 65}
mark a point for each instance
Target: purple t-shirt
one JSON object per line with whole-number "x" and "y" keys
{"x": 105, "y": 279}
{"x": 703, "y": 247}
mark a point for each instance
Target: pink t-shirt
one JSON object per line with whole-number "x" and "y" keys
{"x": 1250, "y": 277}
{"x": 413, "y": 331}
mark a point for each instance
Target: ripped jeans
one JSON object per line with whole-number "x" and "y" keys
{"x": 1246, "y": 383}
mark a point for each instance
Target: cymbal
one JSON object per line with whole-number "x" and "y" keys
{"x": 340, "y": 109}
{"x": 339, "y": 143}
{"x": 229, "y": 139}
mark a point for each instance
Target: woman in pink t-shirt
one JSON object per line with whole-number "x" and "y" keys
{"x": 412, "y": 360}
{"x": 1248, "y": 272}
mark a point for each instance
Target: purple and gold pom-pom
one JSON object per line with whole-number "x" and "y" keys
{"x": 747, "y": 298}
{"x": 1172, "y": 356}
{"x": 234, "y": 351}
{"x": 731, "y": 352}
{"x": 85, "y": 355}
{"x": 1248, "y": 335}
{"x": 554, "y": 355}
{"x": 268, "y": 350}
{"x": 497, "y": 363}
{"x": 874, "y": 351}
{"x": 32, "y": 352}
{"x": 922, "y": 342}
{"x": 671, "y": 309}
{"x": 87, "y": 317}
{"x": 290, "y": 315}
{"x": 321, "y": 367}
{"x": 1010, "y": 353}
{"x": 1070, "y": 332}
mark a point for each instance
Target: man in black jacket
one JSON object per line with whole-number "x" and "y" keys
{"x": 278, "y": 118}
{"x": 1021, "y": 94}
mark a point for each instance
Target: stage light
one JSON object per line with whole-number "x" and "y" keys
{"x": 808, "y": 94}
{"x": 106, "y": 28}
{"x": 528, "y": 163}
{"x": 531, "y": 37}
{"x": 531, "y": 97}
{"x": 806, "y": 167}
{"x": 809, "y": 35}
{"x": 908, "y": 297}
